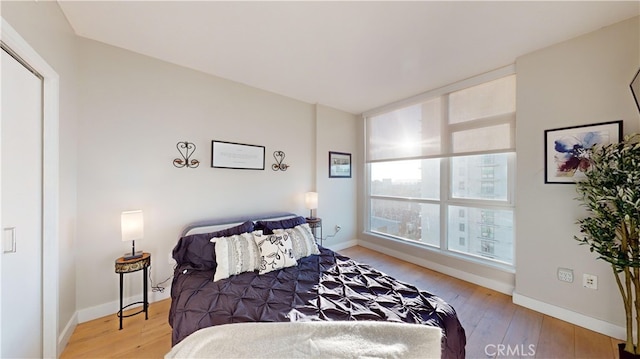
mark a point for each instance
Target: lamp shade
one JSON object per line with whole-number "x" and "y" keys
{"x": 311, "y": 200}
{"x": 132, "y": 224}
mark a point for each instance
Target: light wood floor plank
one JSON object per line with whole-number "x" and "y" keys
{"x": 489, "y": 318}
{"x": 557, "y": 339}
{"x": 523, "y": 332}
{"x": 139, "y": 338}
{"x": 472, "y": 311}
{"x": 492, "y": 327}
{"x": 590, "y": 344}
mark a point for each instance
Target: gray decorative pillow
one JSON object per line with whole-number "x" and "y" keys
{"x": 235, "y": 254}
{"x": 276, "y": 252}
{"x": 302, "y": 240}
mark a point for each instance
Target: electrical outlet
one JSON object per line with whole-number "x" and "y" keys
{"x": 565, "y": 275}
{"x": 590, "y": 281}
{"x": 338, "y": 228}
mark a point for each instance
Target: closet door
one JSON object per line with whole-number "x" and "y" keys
{"x": 21, "y": 197}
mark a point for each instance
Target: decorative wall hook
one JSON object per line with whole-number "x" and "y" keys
{"x": 186, "y": 149}
{"x": 279, "y": 166}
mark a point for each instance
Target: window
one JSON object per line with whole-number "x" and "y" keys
{"x": 451, "y": 153}
{"x": 487, "y": 217}
{"x": 487, "y": 189}
{"x": 487, "y": 172}
{"x": 486, "y": 232}
{"x": 487, "y": 247}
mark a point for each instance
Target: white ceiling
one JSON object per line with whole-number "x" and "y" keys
{"x": 352, "y": 56}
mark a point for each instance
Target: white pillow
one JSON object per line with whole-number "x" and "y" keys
{"x": 276, "y": 252}
{"x": 302, "y": 240}
{"x": 235, "y": 254}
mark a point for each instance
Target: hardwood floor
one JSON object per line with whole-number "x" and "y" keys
{"x": 491, "y": 321}
{"x": 139, "y": 338}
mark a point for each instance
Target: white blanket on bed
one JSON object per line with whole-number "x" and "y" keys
{"x": 317, "y": 339}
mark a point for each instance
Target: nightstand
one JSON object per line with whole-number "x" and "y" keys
{"x": 316, "y": 226}
{"x": 124, "y": 266}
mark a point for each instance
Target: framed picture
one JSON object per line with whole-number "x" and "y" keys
{"x": 567, "y": 150}
{"x": 339, "y": 165}
{"x": 237, "y": 156}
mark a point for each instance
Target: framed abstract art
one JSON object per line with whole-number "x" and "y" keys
{"x": 567, "y": 150}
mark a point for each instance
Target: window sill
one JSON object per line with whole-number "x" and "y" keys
{"x": 503, "y": 267}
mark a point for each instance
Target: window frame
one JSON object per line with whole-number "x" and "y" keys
{"x": 446, "y": 187}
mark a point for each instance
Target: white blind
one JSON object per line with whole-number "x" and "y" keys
{"x": 473, "y": 120}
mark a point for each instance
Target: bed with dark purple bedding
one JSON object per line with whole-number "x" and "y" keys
{"x": 324, "y": 286}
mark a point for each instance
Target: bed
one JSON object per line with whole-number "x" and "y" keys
{"x": 229, "y": 281}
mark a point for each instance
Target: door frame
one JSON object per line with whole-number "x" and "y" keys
{"x": 50, "y": 187}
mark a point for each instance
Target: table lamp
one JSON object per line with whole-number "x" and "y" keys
{"x": 311, "y": 202}
{"x": 132, "y": 225}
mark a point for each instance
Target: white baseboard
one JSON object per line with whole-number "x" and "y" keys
{"x": 65, "y": 335}
{"x": 597, "y": 325}
{"x": 99, "y": 311}
{"x": 342, "y": 245}
{"x": 456, "y": 273}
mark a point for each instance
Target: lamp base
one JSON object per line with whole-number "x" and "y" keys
{"x": 128, "y": 256}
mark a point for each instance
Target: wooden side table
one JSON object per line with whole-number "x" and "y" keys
{"x": 315, "y": 224}
{"x": 133, "y": 265}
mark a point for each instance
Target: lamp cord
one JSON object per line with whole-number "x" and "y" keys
{"x": 158, "y": 287}
{"x": 332, "y": 235}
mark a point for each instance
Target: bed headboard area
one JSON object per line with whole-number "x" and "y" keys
{"x": 195, "y": 251}
{"x": 217, "y": 224}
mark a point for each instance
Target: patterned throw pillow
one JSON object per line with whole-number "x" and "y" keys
{"x": 236, "y": 254}
{"x": 302, "y": 240}
{"x": 195, "y": 251}
{"x": 276, "y": 252}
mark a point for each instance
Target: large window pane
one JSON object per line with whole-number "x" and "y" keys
{"x": 470, "y": 132}
{"x": 488, "y": 99}
{"x": 412, "y": 178}
{"x": 412, "y": 221}
{"x": 480, "y": 177}
{"x": 481, "y": 232}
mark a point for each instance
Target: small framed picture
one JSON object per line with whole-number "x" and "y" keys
{"x": 567, "y": 150}
{"x": 339, "y": 165}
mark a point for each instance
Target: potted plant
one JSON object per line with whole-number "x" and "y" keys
{"x": 611, "y": 194}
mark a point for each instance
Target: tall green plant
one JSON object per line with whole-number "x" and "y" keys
{"x": 611, "y": 194}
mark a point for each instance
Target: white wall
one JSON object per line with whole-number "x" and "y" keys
{"x": 578, "y": 82}
{"x": 336, "y": 131}
{"x": 133, "y": 111}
